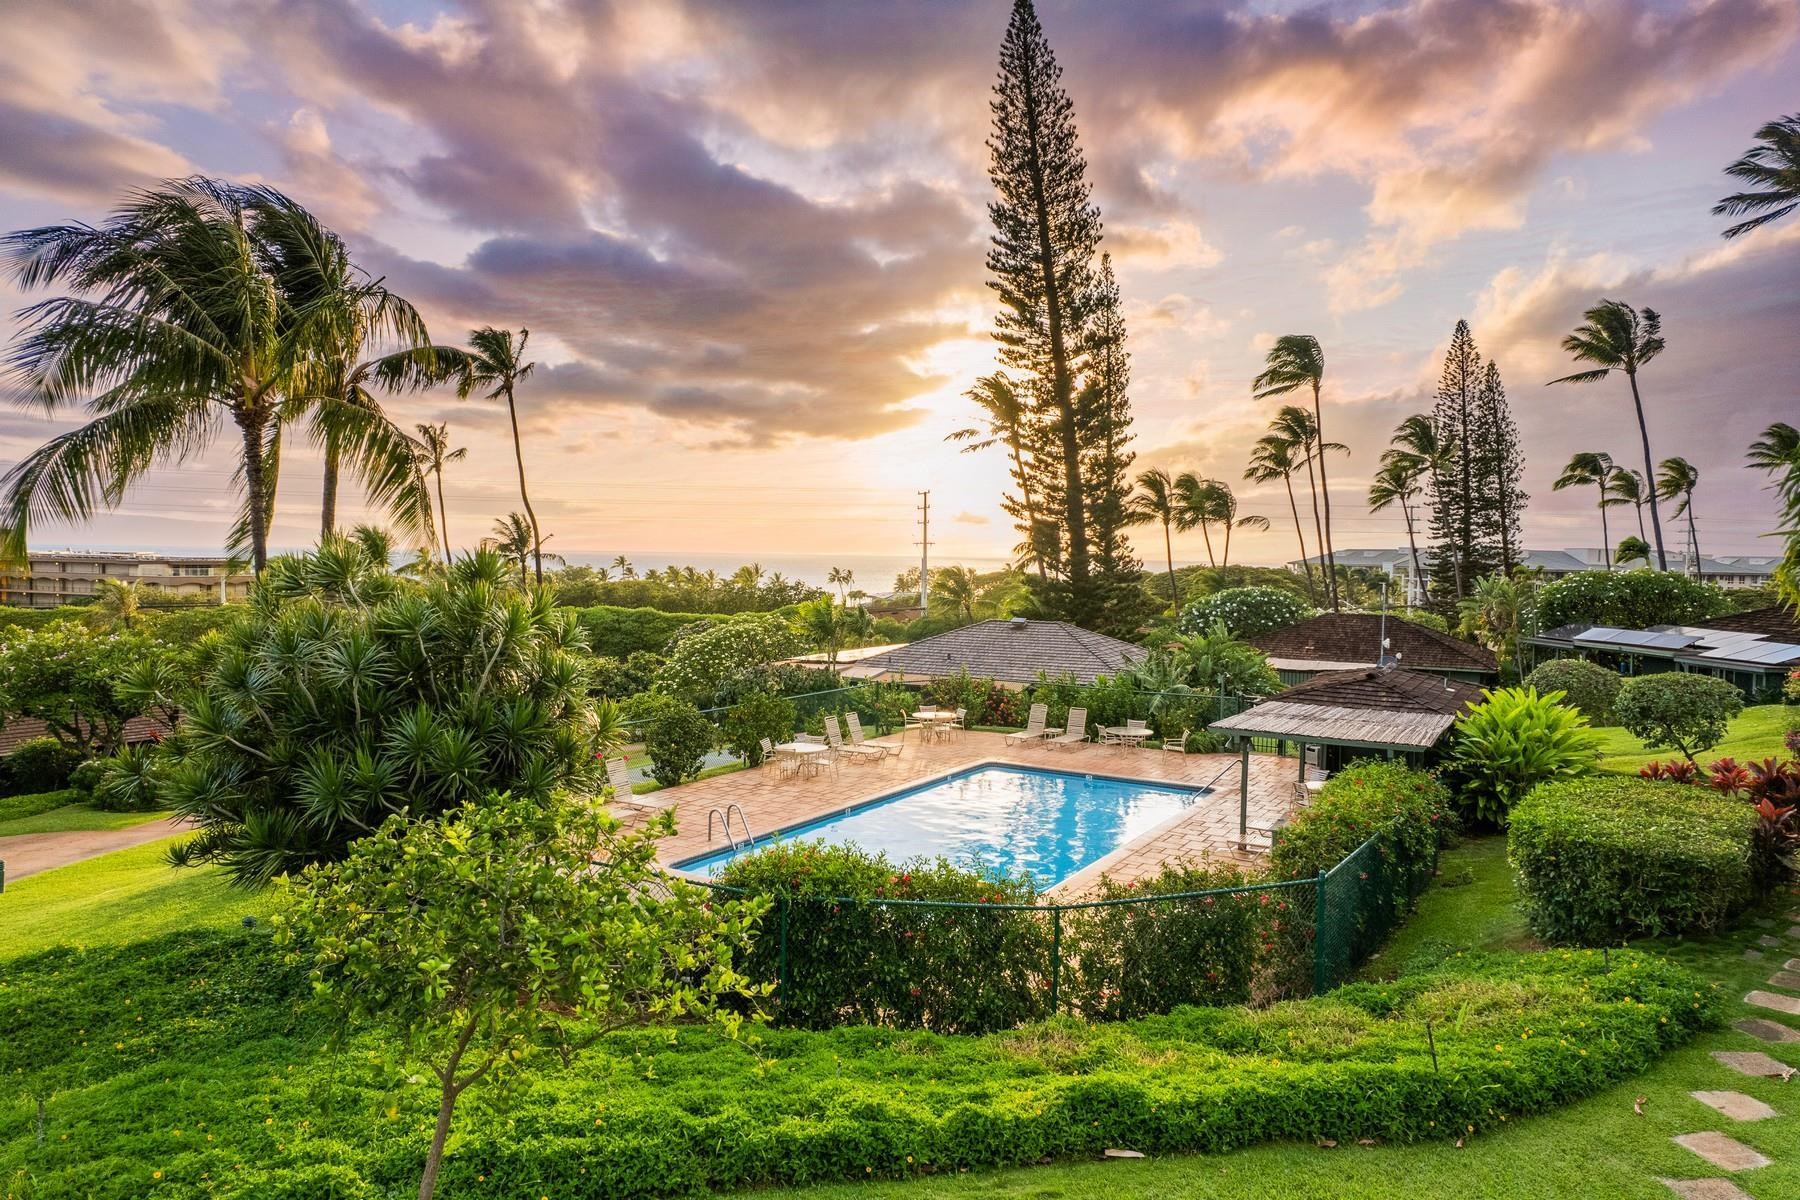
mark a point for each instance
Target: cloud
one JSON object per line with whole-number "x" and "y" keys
{"x": 971, "y": 518}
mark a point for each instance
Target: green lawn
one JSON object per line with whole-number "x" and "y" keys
{"x": 71, "y": 817}
{"x": 118, "y": 897}
{"x": 1756, "y": 734}
{"x": 14, "y": 807}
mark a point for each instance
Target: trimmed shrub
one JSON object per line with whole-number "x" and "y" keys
{"x": 1604, "y": 860}
{"x": 1628, "y": 599}
{"x": 1408, "y": 807}
{"x": 753, "y": 718}
{"x": 30, "y": 804}
{"x": 676, "y": 737}
{"x": 1587, "y": 686}
{"x": 40, "y": 764}
{"x": 1510, "y": 743}
{"x": 621, "y": 632}
{"x": 1678, "y": 710}
{"x": 1246, "y": 611}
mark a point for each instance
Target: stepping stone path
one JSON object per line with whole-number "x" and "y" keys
{"x": 1752, "y": 1062}
{"x": 1736, "y": 1105}
{"x": 1728, "y": 1154}
{"x": 1753, "y": 955}
{"x": 1776, "y": 1002}
{"x": 1785, "y": 979}
{"x": 1792, "y": 964}
{"x": 1706, "y": 1189}
{"x": 1768, "y": 1031}
{"x": 1772, "y": 943}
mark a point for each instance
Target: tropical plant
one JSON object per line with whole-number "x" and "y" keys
{"x": 1627, "y": 486}
{"x": 1414, "y": 455}
{"x": 1215, "y": 660}
{"x": 702, "y": 660}
{"x": 1276, "y": 457}
{"x": 1512, "y": 741}
{"x": 1587, "y": 686}
{"x": 348, "y": 694}
{"x": 1245, "y": 611}
{"x": 833, "y": 626}
{"x": 1680, "y": 710}
{"x": 1774, "y": 169}
{"x": 118, "y": 604}
{"x": 1296, "y": 361}
{"x": 495, "y": 365}
{"x": 1007, "y": 422}
{"x": 1498, "y": 613}
{"x": 1676, "y": 479}
{"x": 1631, "y": 549}
{"x": 1777, "y": 452}
{"x": 1155, "y": 501}
{"x": 1616, "y": 337}
{"x": 839, "y": 577}
{"x": 957, "y": 589}
{"x": 1595, "y": 469}
{"x": 514, "y": 925}
{"x": 516, "y": 541}
{"x": 434, "y": 452}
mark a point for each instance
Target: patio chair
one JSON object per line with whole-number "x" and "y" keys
{"x": 859, "y": 738}
{"x": 1034, "y": 726}
{"x": 1176, "y": 745}
{"x": 619, "y": 776}
{"x": 1074, "y": 732}
{"x": 768, "y": 754}
{"x": 835, "y": 735}
{"x": 961, "y": 724}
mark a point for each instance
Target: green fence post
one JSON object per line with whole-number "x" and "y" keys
{"x": 1319, "y": 969}
{"x": 781, "y": 968}
{"x": 1055, "y": 958}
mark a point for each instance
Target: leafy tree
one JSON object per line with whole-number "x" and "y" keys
{"x": 700, "y": 662}
{"x": 1616, "y": 337}
{"x": 348, "y": 694}
{"x": 434, "y": 453}
{"x": 1773, "y": 168}
{"x": 495, "y": 365}
{"x": 1274, "y": 457}
{"x": 1777, "y": 452}
{"x": 1511, "y": 742}
{"x": 1678, "y": 709}
{"x": 1595, "y": 469}
{"x": 1295, "y": 362}
{"x": 1676, "y": 479}
{"x": 677, "y": 738}
{"x": 67, "y": 676}
{"x": 515, "y": 926}
{"x": 1587, "y": 686}
{"x": 758, "y": 715}
{"x": 1467, "y": 547}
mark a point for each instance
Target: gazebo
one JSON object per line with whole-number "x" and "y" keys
{"x": 1384, "y": 709}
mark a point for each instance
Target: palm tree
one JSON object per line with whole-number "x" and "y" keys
{"x": 1225, "y": 504}
{"x": 1630, "y": 549}
{"x": 623, "y": 566}
{"x": 1296, "y": 425}
{"x": 1297, "y": 361}
{"x": 118, "y": 604}
{"x": 433, "y": 452}
{"x": 496, "y": 363}
{"x": 1778, "y": 453}
{"x": 839, "y": 577}
{"x": 958, "y": 588}
{"x": 176, "y": 328}
{"x": 1006, "y": 414}
{"x": 1272, "y": 458}
{"x": 1412, "y": 455}
{"x": 1197, "y": 506}
{"x": 1496, "y": 614}
{"x": 1676, "y": 478}
{"x": 516, "y": 541}
{"x": 1590, "y": 468}
{"x": 1774, "y": 168}
{"x": 1619, "y": 338}
{"x": 1629, "y": 487}
{"x": 1154, "y": 501}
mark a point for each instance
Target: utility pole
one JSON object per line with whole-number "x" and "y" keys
{"x": 924, "y": 550}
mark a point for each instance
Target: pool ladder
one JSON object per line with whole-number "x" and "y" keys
{"x": 724, "y": 816}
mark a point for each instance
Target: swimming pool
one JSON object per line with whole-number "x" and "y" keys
{"x": 1011, "y": 820}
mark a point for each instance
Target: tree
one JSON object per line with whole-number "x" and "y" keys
{"x": 1155, "y": 502}
{"x": 1297, "y": 361}
{"x": 623, "y": 566}
{"x": 1245, "y": 611}
{"x": 1499, "y": 467}
{"x": 1198, "y": 508}
{"x": 1466, "y": 543}
{"x": 1777, "y": 453}
{"x": 677, "y": 737}
{"x": 176, "y": 327}
{"x": 1595, "y": 469}
{"x": 68, "y": 676}
{"x": 1619, "y": 338}
{"x": 1274, "y": 457}
{"x": 495, "y": 364}
{"x": 958, "y": 589}
{"x": 515, "y": 540}
{"x": 702, "y": 661}
{"x": 1215, "y": 660}
{"x": 833, "y": 626}
{"x": 1631, "y": 549}
{"x": 1627, "y": 486}
{"x": 434, "y": 453}
{"x": 839, "y": 577}
{"x": 1295, "y": 426}
{"x": 1681, "y": 710}
{"x": 348, "y": 694}
{"x": 1628, "y": 600}
{"x": 118, "y": 604}
{"x": 1412, "y": 457}
{"x": 1498, "y": 613}
{"x": 1773, "y": 168}
{"x": 514, "y": 925}
{"x": 1676, "y": 479}
{"x": 1105, "y": 411}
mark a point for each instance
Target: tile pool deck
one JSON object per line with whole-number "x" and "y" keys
{"x": 772, "y": 801}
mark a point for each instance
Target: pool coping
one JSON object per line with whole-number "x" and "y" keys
{"x": 1086, "y": 876}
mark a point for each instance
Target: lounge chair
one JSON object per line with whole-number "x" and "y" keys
{"x": 835, "y": 735}
{"x": 1034, "y": 726}
{"x": 619, "y": 776}
{"x": 1074, "y": 733}
{"x": 859, "y": 738}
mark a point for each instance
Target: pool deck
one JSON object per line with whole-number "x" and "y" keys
{"x": 771, "y": 801}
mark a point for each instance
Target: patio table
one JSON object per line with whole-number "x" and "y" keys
{"x": 804, "y": 754}
{"x": 1124, "y": 733}
{"x": 935, "y": 722}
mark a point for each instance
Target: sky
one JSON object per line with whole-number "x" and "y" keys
{"x": 748, "y": 236}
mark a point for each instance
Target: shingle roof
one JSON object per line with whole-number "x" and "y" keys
{"x": 20, "y": 730}
{"x": 1354, "y": 637}
{"x": 1776, "y": 623}
{"x": 1015, "y": 651}
{"x": 1393, "y": 688}
{"x": 1368, "y": 707}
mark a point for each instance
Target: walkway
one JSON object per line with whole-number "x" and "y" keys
{"x": 772, "y": 801}
{"x": 28, "y": 853}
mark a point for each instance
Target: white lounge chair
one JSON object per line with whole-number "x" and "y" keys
{"x": 835, "y": 735}
{"x": 1074, "y": 733}
{"x": 619, "y": 776}
{"x": 859, "y": 738}
{"x": 1034, "y": 726}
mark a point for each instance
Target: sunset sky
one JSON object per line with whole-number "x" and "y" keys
{"x": 748, "y": 236}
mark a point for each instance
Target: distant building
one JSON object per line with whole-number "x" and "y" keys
{"x": 1730, "y": 571}
{"x": 1013, "y": 653}
{"x": 54, "y": 577}
{"x": 1332, "y": 642}
{"x": 1752, "y": 650}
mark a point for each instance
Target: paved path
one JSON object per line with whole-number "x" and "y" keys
{"x": 28, "y": 853}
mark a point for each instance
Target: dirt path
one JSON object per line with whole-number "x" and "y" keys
{"x": 28, "y": 853}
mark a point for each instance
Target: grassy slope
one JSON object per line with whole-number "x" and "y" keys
{"x": 1756, "y": 734}
{"x": 1596, "y": 1148}
{"x": 118, "y": 897}
{"x": 73, "y": 817}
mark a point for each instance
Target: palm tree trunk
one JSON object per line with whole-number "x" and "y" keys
{"x": 1174, "y": 588}
{"x": 1206, "y": 532}
{"x": 443, "y": 513}
{"x": 328, "y": 501}
{"x": 1300, "y": 534}
{"x": 255, "y": 490}
{"x": 1662, "y": 557}
{"x": 1694, "y": 539}
{"x": 1606, "y": 548}
{"x": 1030, "y": 505}
{"x": 1412, "y": 544}
{"x": 1642, "y": 535}
{"x": 1325, "y": 488}
{"x": 537, "y": 541}
{"x": 1330, "y": 584}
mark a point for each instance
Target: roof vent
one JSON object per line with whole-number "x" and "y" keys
{"x": 1019, "y": 622}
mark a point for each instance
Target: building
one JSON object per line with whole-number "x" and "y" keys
{"x": 1012, "y": 653}
{"x": 54, "y": 577}
{"x": 1348, "y": 641}
{"x": 1753, "y": 650}
{"x": 1729, "y": 571}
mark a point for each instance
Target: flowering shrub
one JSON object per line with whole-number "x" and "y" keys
{"x": 1628, "y": 599}
{"x": 1246, "y": 611}
{"x": 1604, "y": 860}
{"x": 699, "y": 663}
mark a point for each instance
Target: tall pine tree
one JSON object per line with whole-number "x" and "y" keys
{"x": 1499, "y": 469}
{"x": 1465, "y": 545}
{"x": 1105, "y": 414}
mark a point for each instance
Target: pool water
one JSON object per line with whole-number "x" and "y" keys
{"x": 1006, "y": 820}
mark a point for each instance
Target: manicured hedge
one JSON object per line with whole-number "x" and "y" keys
{"x": 226, "y": 1086}
{"x": 1604, "y": 860}
{"x": 620, "y": 632}
{"x": 13, "y": 808}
